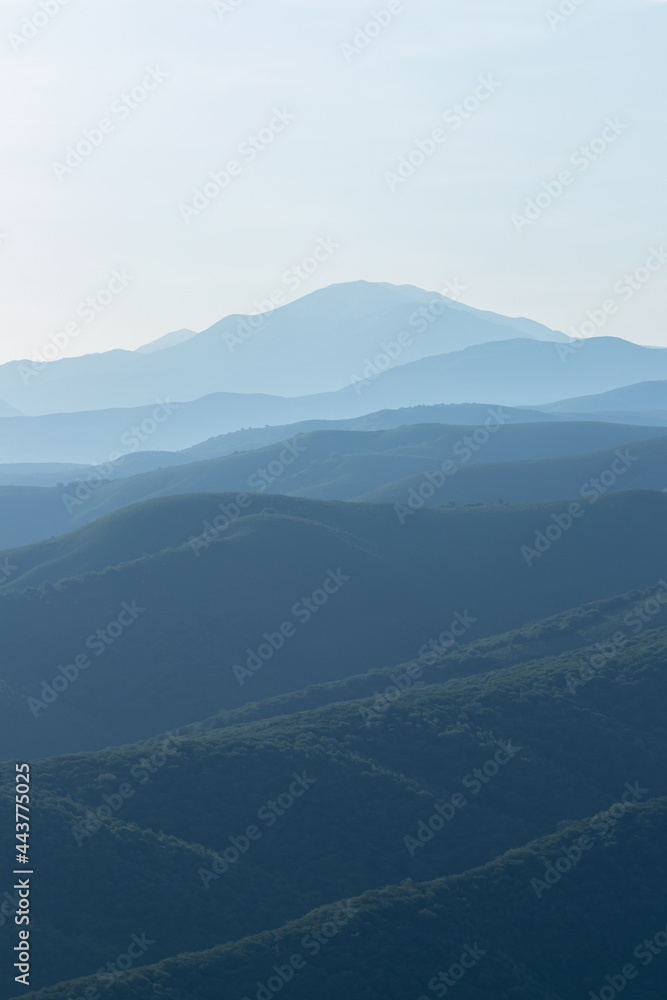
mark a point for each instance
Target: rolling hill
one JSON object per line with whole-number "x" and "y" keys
{"x": 642, "y": 465}
{"x": 171, "y": 621}
{"x": 564, "y": 761}
{"x": 388, "y": 466}
{"x": 513, "y": 373}
{"x": 486, "y": 925}
{"x": 645, "y": 396}
{"x": 150, "y": 436}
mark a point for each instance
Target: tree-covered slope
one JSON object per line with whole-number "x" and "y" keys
{"x": 302, "y": 593}
{"x": 341, "y": 799}
{"x": 485, "y": 932}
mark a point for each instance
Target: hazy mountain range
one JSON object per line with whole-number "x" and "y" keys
{"x": 338, "y": 686}
{"x": 314, "y": 345}
{"x": 512, "y": 463}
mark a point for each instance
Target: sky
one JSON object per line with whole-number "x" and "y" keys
{"x": 408, "y": 141}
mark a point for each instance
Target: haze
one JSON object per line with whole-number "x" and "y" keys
{"x": 220, "y": 76}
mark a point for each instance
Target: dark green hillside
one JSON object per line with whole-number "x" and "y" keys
{"x": 584, "y": 631}
{"x": 603, "y": 914}
{"x": 368, "y": 788}
{"x": 206, "y": 615}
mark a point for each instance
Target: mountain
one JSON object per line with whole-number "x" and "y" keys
{"x": 53, "y": 473}
{"x": 204, "y": 428}
{"x": 642, "y": 397}
{"x": 336, "y": 331}
{"x": 8, "y": 411}
{"x": 383, "y": 466}
{"x": 517, "y": 372}
{"x": 487, "y": 925}
{"x": 641, "y": 466}
{"x": 169, "y": 340}
{"x": 471, "y": 414}
{"x": 310, "y": 346}
{"x": 160, "y": 600}
{"x": 41, "y": 473}
{"x": 80, "y": 441}
{"x": 654, "y": 418}
{"x": 98, "y": 436}
{"x": 365, "y": 783}
{"x": 512, "y": 373}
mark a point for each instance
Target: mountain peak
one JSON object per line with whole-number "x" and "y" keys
{"x": 168, "y": 340}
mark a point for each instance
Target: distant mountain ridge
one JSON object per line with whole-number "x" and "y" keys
{"x": 518, "y": 463}
{"x": 169, "y": 340}
{"x": 8, "y": 411}
{"x": 514, "y": 373}
{"x": 641, "y": 397}
{"x": 313, "y": 345}
{"x": 207, "y": 428}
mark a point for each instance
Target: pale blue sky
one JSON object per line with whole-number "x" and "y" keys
{"x": 323, "y": 176}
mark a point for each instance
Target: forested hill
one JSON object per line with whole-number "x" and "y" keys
{"x": 341, "y": 800}
{"x": 147, "y": 620}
